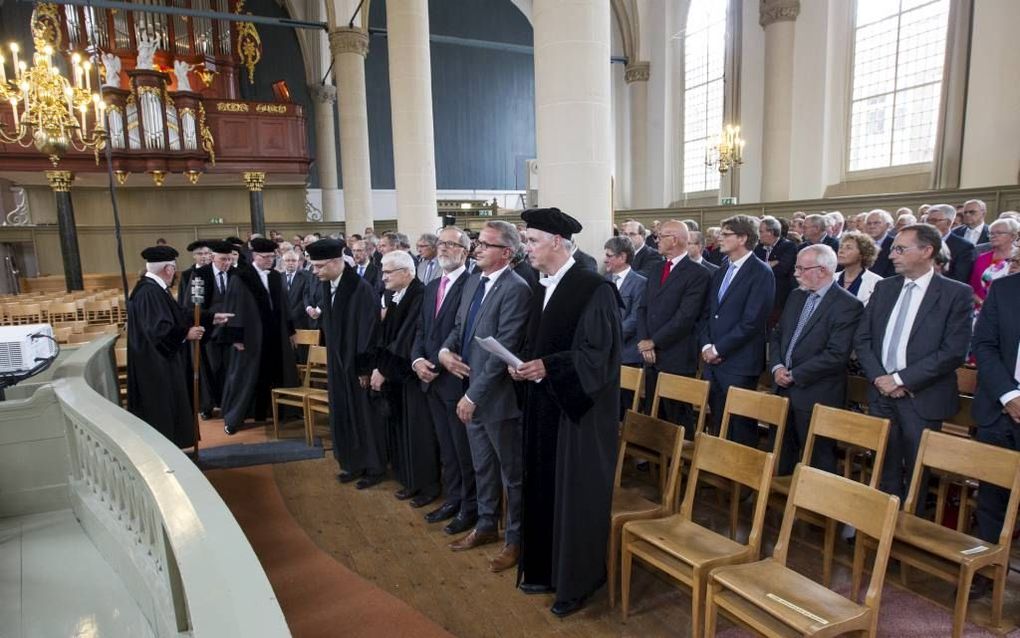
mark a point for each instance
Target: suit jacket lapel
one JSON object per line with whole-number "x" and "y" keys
{"x": 931, "y": 297}
{"x": 738, "y": 278}
{"x": 823, "y": 306}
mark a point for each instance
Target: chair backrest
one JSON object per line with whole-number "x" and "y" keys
{"x": 769, "y": 409}
{"x": 63, "y": 311}
{"x": 869, "y": 510}
{"x": 674, "y": 387}
{"x": 965, "y": 457}
{"x": 663, "y": 437}
{"x": 966, "y": 380}
{"x": 306, "y": 337}
{"x": 857, "y": 390}
{"x": 62, "y": 335}
{"x": 316, "y": 359}
{"x": 852, "y": 428}
{"x": 633, "y": 379}
{"x": 25, "y": 312}
{"x": 963, "y": 421}
{"x": 745, "y": 465}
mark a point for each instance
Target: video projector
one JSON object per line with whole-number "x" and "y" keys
{"x": 20, "y": 352}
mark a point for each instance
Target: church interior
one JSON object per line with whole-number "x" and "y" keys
{"x": 374, "y": 128}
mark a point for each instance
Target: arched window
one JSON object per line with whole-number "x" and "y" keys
{"x": 898, "y": 56}
{"x": 704, "y": 65}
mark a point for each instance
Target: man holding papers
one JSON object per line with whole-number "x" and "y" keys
{"x": 494, "y": 303}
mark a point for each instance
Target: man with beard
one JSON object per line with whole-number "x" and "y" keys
{"x": 202, "y": 255}
{"x": 348, "y": 318}
{"x": 572, "y": 358}
{"x": 261, "y": 335}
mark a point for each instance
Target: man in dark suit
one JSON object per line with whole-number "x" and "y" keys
{"x": 365, "y": 267}
{"x": 696, "y": 252}
{"x": 809, "y": 350}
{"x": 961, "y": 251}
{"x": 974, "y": 227}
{"x": 631, "y": 284}
{"x": 216, "y": 277}
{"x": 914, "y": 334}
{"x": 816, "y": 231}
{"x": 781, "y": 255}
{"x": 442, "y": 389}
{"x": 734, "y": 322}
{"x": 997, "y": 403}
{"x": 647, "y": 260}
{"x": 586, "y": 260}
{"x": 300, "y": 285}
{"x": 878, "y": 226}
{"x": 673, "y": 302}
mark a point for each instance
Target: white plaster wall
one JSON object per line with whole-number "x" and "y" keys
{"x": 807, "y": 132}
{"x": 384, "y": 202}
{"x": 991, "y": 138}
{"x": 752, "y": 95}
{"x": 655, "y": 40}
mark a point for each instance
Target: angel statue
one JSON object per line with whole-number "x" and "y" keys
{"x": 111, "y": 68}
{"x": 146, "y": 50}
{"x": 181, "y": 69}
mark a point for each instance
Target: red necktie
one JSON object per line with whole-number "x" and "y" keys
{"x": 666, "y": 267}
{"x": 442, "y": 293}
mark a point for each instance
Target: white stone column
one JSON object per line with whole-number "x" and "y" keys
{"x": 324, "y": 96}
{"x": 636, "y": 76}
{"x": 349, "y": 47}
{"x": 414, "y": 155}
{"x": 777, "y": 18}
{"x": 573, "y": 106}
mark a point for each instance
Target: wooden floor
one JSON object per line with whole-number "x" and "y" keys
{"x": 389, "y": 544}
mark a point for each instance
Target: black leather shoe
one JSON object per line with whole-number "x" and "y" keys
{"x": 229, "y": 430}
{"x": 403, "y": 494}
{"x": 423, "y": 499}
{"x": 564, "y": 608}
{"x": 369, "y": 480}
{"x": 535, "y": 588}
{"x": 445, "y": 511}
{"x": 460, "y": 524}
{"x": 347, "y": 477}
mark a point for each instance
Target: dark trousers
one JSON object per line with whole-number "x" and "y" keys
{"x": 497, "y": 450}
{"x": 742, "y": 429}
{"x": 454, "y": 454}
{"x": 669, "y": 410}
{"x": 906, "y": 428}
{"x": 824, "y": 455}
{"x": 992, "y": 499}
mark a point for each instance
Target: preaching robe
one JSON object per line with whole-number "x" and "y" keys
{"x": 267, "y": 360}
{"x": 159, "y": 388}
{"x": 349, "y": 326}
{"x": 412, "y": 439}
{"x": 571, "y": 423}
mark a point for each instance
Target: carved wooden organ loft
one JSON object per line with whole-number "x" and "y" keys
{"x": 171, "y": 86}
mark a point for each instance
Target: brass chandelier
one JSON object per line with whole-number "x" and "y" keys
{"x": 728, "y": 150}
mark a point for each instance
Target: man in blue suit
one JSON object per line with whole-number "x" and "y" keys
{"x": 631, "y": 284}
{"x": 733, "y": 325}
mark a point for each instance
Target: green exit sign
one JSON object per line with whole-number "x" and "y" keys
{"x": 728, "y": 201}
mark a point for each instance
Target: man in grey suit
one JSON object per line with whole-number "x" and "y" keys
{"x": 300, "y": 286}
{"x": 647, "y": 260}
{"x": 961, "y": 251}
{"x": 631, "y": 284}
{"x": 428, "y": 263}
{"x": 914, "y": 335}
{"x": 494, "y": 303}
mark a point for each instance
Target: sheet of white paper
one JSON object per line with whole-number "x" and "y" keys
{"x": 489, "y": 344}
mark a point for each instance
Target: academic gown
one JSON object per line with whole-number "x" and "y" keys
{"x": 158, "y": 372}
{"x": 411, "y": 438}
{"x": 267, "y": 360}
{"x": 571, "y": 422}
{"x": 349, "y": 326}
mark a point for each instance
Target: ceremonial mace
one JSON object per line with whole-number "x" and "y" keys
{"x": 197, "y": 299}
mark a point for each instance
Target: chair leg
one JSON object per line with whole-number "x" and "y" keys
{"x": 998, "y": 591}
{"x": 963, "y": 520}
{"x": 626, "y": 560}
{"x": 962, "y": 598}
{"x": 734, "y": 509}
{"x": 697, "y": 602}
{"x": 829, "y": 551}
{"x": 309, "y": 422}
{"x": 941, "y": 496}
{"x": 276, "y": 417}
{"x": 857, "y": 571}
{"x": 611, "y": 562}
{"x": 710, "y": 609}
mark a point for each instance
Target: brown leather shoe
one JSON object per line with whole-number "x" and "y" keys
{"x": 476, "y": 538}
{"x": 505, "y": 559}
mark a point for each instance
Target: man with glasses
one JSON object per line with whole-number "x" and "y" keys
{"x": 202, "y": 255}
{"x": 914, "y": 335}
{"x": 647, "y": 260}
{"x": 974, "y": 228}
{"x": 428, "y": 267}
{"x": 961, "y": 250}
{"x": 215, "y": 276}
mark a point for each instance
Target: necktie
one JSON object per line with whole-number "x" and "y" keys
{"x": 428, "y": 272}
{"x": 805, "y": 315}
{"x": 666, "y": 267}
{"x": 898, "y": 325}
{"x": 768, "y": 253}
{"x": 223, "y": 281}
{"x": 616, "y": 279}
{"x": 332, "y": 293}
{"x": 290, "y": 280}
{"x": 361, "y": 271}
{"x": 442, "y": 293}
{"x": 476, "y": 302}
{"x": 730, "y": 272}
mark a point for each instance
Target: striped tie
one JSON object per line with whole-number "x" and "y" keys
{"x": 805, "y": 315}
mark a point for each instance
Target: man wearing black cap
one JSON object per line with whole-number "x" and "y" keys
{"x": 159, "y": 391}
{"x": 571, "y": 412}
{"x": 349, "y": 319}
{"x": 261, "y": 334}
{"x": 202, "y": 255}
{"x": 215, "y": 277}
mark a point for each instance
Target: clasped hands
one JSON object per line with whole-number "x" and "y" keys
{"x": 783, "y": 377}
{"x": 647, "y": 349}
{"x": 888, "y": 387}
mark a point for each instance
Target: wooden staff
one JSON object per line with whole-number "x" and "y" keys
{"x": 197, "y": 299}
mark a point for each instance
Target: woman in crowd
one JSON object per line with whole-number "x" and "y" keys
{"x": 993, "y": 264}
{"x": 857, "y": 253}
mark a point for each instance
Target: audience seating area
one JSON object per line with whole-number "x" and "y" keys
{"x": 77, "y": 317}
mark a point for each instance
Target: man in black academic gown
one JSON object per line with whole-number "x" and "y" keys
{"x": 261, "y": 335}
{"x": 349, "y": 320}
{"x": 215, "y": 277}
{"x": 202, "y": 255}
{"x": 572, "y": 358}
{"x": 159, "y": 388}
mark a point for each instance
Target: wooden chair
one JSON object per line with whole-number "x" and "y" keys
{"x": 771, "y": 599}
{"x": 62, "y": 335}
{"x": 857, "y": 432}
{"x": 120, "y": 357}
{"x": 316, "y": 402}
{"x": 687, "y": 551}
{"x": 768, "y": 409}
{"x": 628, "y": 505}
{"x": 948, "y": 554}
{"x": 693, "y": 392}
{"x": 97, "y": 312}
{"x": 962, "y": 424}
{"x": 295, "y": 397}
{"x": 307, "y": 339}
{"x": 966, "y": 380}
{"x": 633, "y": 379}
{"x": 81, "y": 337}
{"x": 62, "y": 311}
{"x": 22, "y": 314}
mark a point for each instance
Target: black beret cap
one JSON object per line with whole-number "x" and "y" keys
{"x": 158, "y": 254}
{"x": 222, "y": 247}
{"x": 237, "y": 241}
{"x": 551, "y": 220}
{"x": 325, "y": 249}
{"x": 262, "y": 245}
{"x": 195, "y": 245}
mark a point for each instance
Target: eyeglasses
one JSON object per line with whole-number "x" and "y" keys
{"x": 449, "y": 244}
{"x": 999, "y": 233}
{"x": 899, "y": 250}
{"x": 727, "y": 233}
{"x": 482, "y": 245}
{"x": 805, "y": 268}
{"x": 395, "y": 270}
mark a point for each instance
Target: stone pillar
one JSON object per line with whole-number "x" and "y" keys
{"x": 573, "y": 106}
{"x": 349, "y": 47}
{"x": 60, "y": 182}
{"x": 324, "y": 96}
{"x": 636, "y": 76}
{"x": 414, "y": 155}
{"x": 777, "y": 18}
{"x": 255, "y": 181}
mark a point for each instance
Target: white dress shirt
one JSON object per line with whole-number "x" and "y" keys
{"x": 1012, "y": 394}
{"x": 162, "y": 284}
{"x": 451, "y": 278}
{"x": 552, "y": 281}
{"x": 974, "y": 234}
{"x": 492, "y": 280}
{"x": 900, "y": 356}
{"x": 621, "y": 276}
{"x": 264, "y": 276}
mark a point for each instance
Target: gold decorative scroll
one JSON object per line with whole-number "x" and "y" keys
{"x": 60, "y": 181}
{"x": 254, "y": 180}
{"x": 207, "y": 139}
{"x": 249, "y": 44}
{"x": 46, "y": 26}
